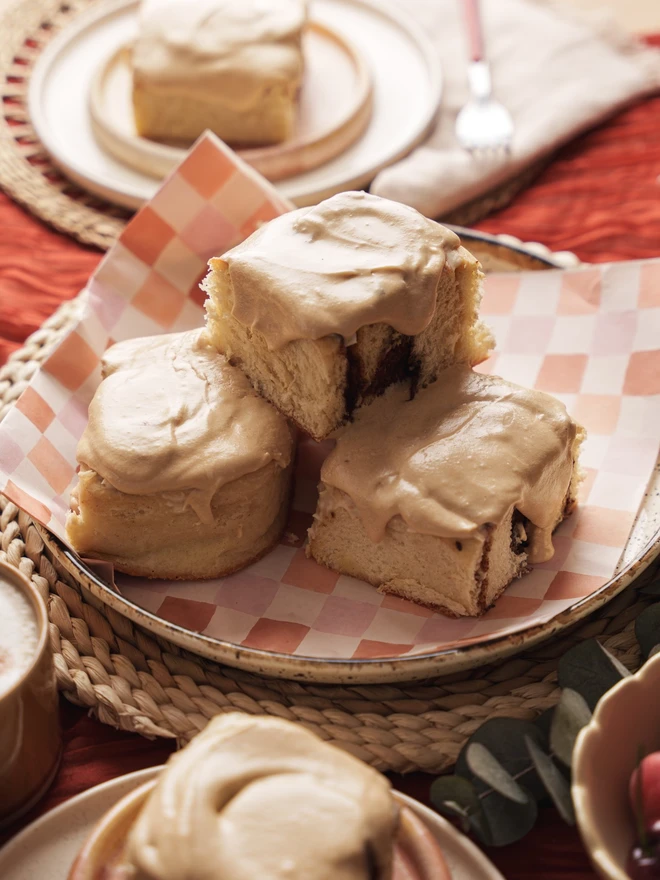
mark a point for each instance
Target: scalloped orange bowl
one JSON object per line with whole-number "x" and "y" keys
{"x": 626, "y": 719}
{"x": 417, "y": 854}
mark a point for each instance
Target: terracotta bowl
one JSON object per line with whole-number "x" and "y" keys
{"x": 417, "y": 855}
{"x": 606, "y": 753}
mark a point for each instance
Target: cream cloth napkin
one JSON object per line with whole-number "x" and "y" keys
{"x": 557, "y": 71}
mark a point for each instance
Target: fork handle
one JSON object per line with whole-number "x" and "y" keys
{"x": 472, "y": 16}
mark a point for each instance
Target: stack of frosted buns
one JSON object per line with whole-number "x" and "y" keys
{"x": 355, "y": 320}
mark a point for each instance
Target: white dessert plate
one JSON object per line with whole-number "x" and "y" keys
{"x": 334, "y": 109}
{"x": 404, "y": 70}
{"x": 48, "y": 847}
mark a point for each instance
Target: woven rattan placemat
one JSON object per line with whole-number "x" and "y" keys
{"x": 136, "y": 682}
{"x": 28, "y": 175}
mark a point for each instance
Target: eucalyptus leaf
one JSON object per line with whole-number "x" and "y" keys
{"x": 457, "y": 793}
{"x": 557, "y": 787}
{"x": 570, "y": 716}
{"x": 590, "y": 670}
{"x": 507, "y": 821}
{"x": 488, "y": 769}
{"x": 456, "y": 797}
{"x": 505, "y": 740}
{"x": 647, "y": 629}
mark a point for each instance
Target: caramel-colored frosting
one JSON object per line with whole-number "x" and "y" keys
{"x": 253, "y": 798}
{"x": 352, "y": 260}
{"x": 459, "y": 456}
{"x": 171, "y": 414}
{"x": 228, "y": 50}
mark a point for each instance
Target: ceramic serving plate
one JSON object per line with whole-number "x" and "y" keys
{"x": 285, "y": 616}
{"x": 49, "y": 846}
{"x": 367, "y": 114}
{"x": 626, "y": 720}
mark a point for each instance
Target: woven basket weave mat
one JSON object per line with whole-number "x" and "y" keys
{"x": 30, "y": 178}
{"x": 136, "y": 682}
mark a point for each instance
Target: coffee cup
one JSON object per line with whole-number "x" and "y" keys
{"x": 30, "y": 737}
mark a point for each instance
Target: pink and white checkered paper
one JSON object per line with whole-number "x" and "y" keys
{"x": 589, "y": 336}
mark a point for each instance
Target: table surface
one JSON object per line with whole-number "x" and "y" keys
{"x": 600, "y": 198}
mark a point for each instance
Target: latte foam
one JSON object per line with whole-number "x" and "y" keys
{"x": 19, "y": 634}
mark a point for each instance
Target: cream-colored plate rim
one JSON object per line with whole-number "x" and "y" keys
{"x": 122, "y": 193}
{"x": 82, "y": 812}
{"x": 365, "y": 671}
{"x": 376, "y": 670}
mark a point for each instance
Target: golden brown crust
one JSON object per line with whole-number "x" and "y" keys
{"x": 186, "y": 576}
{"x": 152, "y": 537}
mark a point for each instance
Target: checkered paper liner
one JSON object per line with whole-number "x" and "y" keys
{"x": 589, "y": 336}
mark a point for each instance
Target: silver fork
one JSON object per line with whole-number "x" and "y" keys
{"x": 484, "y": 127}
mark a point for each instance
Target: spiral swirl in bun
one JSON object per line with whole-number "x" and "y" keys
{"x": 257, "y": 797}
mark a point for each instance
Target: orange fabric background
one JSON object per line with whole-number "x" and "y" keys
{"x": 600, "y": 198}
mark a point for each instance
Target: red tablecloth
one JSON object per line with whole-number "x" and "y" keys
{"x": 600, "y": 198}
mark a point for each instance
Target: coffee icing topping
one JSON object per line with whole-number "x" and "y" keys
{"x": 352, "y": 260}
{"x": 459, "y": 456}
{"x": 230, "y": 51}
{"x": 259, "y": 797}
{"x": 171, "y": 414}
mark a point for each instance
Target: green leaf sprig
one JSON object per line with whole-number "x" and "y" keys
{"x": 508, "y": 765}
